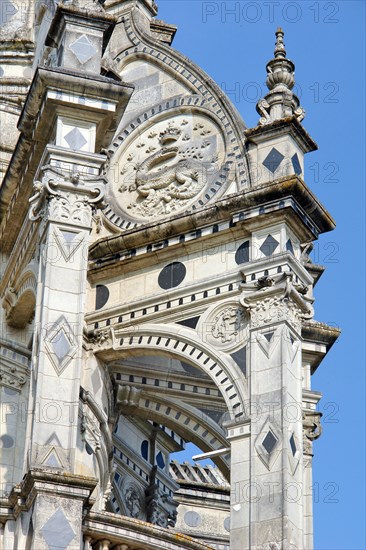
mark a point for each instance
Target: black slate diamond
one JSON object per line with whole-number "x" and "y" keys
{"x": 269, "y": 442}
{"x": 289, "y": 246}
{"x": 273, "y": 160}
{"x": 293, "y": 445}
{"x": 296, "y": 164}
{"x": 269, "y": 246}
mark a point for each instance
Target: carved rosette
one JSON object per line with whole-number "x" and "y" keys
{"x": 66, "y": 199}
{"x": 276, "y": 300}
{"x": 312, "y": 430}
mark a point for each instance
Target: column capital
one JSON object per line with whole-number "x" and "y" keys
{"x": 69, "y": 199}
{"x": 38, "y": 482}
{"x": 276, "y": 299}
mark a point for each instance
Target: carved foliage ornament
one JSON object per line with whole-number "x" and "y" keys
{"x": 11, "y": 377}
{"x": 166, "y": 167}
{"x": 276, "y": 299}
{"x": 65, "y": 199}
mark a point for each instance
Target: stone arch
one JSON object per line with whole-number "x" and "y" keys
{"x": 185, "y": 345}
{"x": 180, "y": 417}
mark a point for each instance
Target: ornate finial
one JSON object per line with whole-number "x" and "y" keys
{"x": 280, "y": 102}
{"x": 280, "y": 46}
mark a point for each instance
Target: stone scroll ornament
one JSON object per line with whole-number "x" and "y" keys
{"x": 167, "y": 166}
{"x": 68, "y": 199}
{"x": 276, "y": 299}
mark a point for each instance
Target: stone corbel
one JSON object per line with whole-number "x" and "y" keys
{"x": 67, "y": 199}
{"x": 127, "y": 396}
{"x": 312, "y": 430}
{"x": 19, "y": 301}
{"x": 277, "y": 298}
{"x": 100, "y": 338}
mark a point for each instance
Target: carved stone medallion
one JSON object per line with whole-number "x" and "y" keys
{"x": 165, "y": 167}
{"x": 133, "y": 498}
{"x": 225, "y": 326}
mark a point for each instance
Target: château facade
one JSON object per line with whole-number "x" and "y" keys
{"x": 156, "y": 289}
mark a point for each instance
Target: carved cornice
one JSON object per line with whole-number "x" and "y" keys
{"x": 48, "y": 483}
{"x": 276, "y": 299}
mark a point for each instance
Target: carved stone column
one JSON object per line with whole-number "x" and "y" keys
{"x": 267, "y": 471}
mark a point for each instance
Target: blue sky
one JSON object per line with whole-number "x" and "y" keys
{"x": 232, "y": 41}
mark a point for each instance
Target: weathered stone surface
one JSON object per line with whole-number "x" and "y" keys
{"x": 154, "y": 292}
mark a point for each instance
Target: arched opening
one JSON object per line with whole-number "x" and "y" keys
{"x": 172, "y": 389}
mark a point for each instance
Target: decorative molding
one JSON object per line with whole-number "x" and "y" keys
{"x": 68, "y": 242}
{"x": 277, "y": 299}
{"x": 51, "y": 455}
{"x": 11, "y": 377}
{"x": 187, "y": 137}
{"x": 69, "y": 200}
{"x": 14, "y": 367}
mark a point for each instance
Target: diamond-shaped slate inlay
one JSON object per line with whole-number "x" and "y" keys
{"x": 57, "y": 531}
{"x": 273, "y": 160}
{"x": 269, "y": 246}
{"x": 268, "y": 336}
{"x": 61, "y": 345}
{"x": 69, "y": 236}
{"x": 7, "y": 10}
{"x": 269, "y": 442}
{"x": 293, "y": 445}
{"x": 83, "y": 49}
{"x": 296, "y": 164}
{"x": 68, "y": 241}
{"x": 75, "y": 139}
{"x": 289, "y": 246}
{"x": 52, "y": 461}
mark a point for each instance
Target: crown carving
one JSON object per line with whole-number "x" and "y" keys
{"x": 171, "y": 134}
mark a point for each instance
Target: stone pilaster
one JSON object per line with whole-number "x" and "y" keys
{"x": 311, "y": 431}
{"x": 267, "y": 458}
{"x": 64, "y": 206}
{"x": 48, "y": 509}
